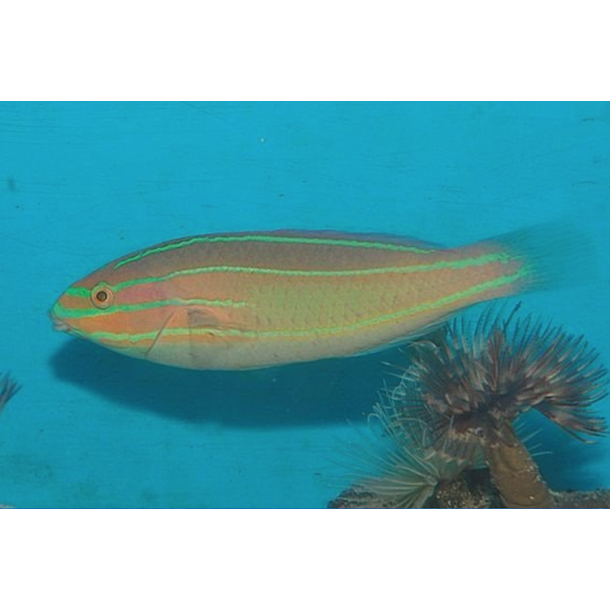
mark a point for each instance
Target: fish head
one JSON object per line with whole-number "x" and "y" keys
{"x": 109, "y": 308}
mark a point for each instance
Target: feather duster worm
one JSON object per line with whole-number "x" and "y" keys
{"x": 8, "y": 389}
{"x": 480, "y": 379}
{"x": 465, "y": 388}
{"x": 408, "y": 470}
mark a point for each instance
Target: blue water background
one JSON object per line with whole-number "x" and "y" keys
{"x": 81, "y": 184}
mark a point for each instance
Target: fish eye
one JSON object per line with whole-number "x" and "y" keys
{"x": 102, "y": 296}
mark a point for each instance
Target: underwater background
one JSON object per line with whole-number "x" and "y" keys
{"x": 82, "y": 184}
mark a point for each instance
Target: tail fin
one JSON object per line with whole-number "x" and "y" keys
{"x": 554, "y": 255}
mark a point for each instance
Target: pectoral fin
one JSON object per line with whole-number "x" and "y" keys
{"x": 198, "y": 317}
{"x": 185, "y": 330}
{"x": 180, "y": 329}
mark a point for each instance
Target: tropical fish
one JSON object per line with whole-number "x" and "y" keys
{"x": 250, "y": 300}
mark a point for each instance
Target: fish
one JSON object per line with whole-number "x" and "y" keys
{"x": 234, "y": 301}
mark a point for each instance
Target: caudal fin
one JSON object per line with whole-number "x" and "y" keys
{"x": 553, "y": 255}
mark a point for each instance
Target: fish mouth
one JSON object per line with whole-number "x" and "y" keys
{"x": 59, "y": 324}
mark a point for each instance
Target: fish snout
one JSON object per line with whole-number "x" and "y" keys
{"x": 58, "y": 322}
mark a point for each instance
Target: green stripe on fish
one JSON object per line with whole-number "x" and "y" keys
{"x": 273, "y": 239}
{"x": 63, "y": 312}
{"x": 423, "y": 307}
{"x": 487, "y": 259}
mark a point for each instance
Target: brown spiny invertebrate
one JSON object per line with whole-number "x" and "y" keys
{"x": 8, "y": 389}
{"x": 407, "y": 469}
{"x": 478, "y": 380}
{"x": 456, "y": 405}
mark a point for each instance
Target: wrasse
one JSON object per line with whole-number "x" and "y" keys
{"x": 249, "y": 300}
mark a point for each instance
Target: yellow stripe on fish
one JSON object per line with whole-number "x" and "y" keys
{"x": 240, "y": 301}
